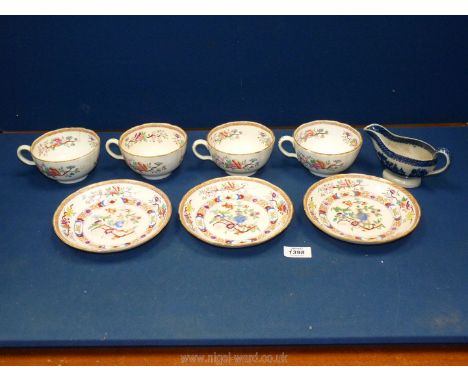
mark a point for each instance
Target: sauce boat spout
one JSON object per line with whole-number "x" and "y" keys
{"x": 378, "y": 133}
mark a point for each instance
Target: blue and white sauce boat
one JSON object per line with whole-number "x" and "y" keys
{"x": 406, "y": 160}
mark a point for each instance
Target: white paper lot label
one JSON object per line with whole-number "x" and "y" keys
{"x": 298, "y": 252}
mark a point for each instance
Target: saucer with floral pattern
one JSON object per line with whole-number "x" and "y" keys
{"x": 112, "y": 216}
{"x": 235, "y": 211}
{"x": 361, "y": 209}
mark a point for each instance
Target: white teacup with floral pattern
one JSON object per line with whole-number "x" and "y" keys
{"x": 66, "y": 155}
{"x": 239, "y": 148}
{"x": 324, "y": 147}
{"x": 152, "y": 150}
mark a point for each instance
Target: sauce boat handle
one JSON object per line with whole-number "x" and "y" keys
{"x": 201, "y": 142}
{"x": 286, "y": 138}
{"x": 445, "y": 153}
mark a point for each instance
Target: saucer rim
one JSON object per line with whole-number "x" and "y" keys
{"x": 241, "y": 178}
{"x": 59, "y": 209}
{"x": 314, "y": 221}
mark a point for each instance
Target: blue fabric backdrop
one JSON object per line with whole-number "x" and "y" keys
{"x": 116, "y": 72}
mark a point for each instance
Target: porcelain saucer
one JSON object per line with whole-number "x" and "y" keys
{"x": 361, "y": 209}
{"x": 112, "y": 216}
{"x": 235, "y": 211}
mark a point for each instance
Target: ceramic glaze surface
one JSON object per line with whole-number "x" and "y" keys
{"x": 152, "y": 141}
{"x": 66, "y": 155}
{"x": 324, "y": 147}
{"x": 239, "y": 148}
{"x": 235, "y": 211}
{"x": 112, "y": 216}
{"x": 64, "y": 145}
{"x": 152, "y": 150}
{"x": 240, "y": 139}
{"x": 410, "y": 150}
{"x": 361, "y": 209}
{"x": 327, "y": 137}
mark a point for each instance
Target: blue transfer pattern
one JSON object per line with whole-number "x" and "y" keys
{"x": 390, "y": 165}
{"x": 418, "y": 173}
{"x": 413, "y": 162}
{"x": 415, "y": 172}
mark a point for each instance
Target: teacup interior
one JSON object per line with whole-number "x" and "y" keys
{"x": 328, "y": 138}
{"x": 240, "y": 139}
{"x": 65, "y": 144}
{"x": 153, "y": 141}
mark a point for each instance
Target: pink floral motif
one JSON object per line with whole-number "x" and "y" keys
{"x": 157, "y": 135}
{"x": 311, "y": 133}
{"x": 233, "y": 164}
{"x": 235, "y": 216}
{"x": 178, "y": 139}
{"x": 117, "y": 223}
{"x": 153, "y": 168}
{"x": 161, "y": 207}
{"x": 281, "y": 205}
{"x": 228, "y": 186}
{"x": 359, "y": 213}
{"x": 316, "y": 164}
{"x": 349, "y": 138}
{"x": 227, "y": 134}
{"x": 51, "y": 144}
{"x": 68, "y": 213}
{"x": 53, "y": 172}
{"x": 264, "y": 138}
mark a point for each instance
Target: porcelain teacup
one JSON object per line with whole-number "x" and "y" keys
{"x": 152, "y": 150}
{"x": 66, "y": 155}
{"x": 239, "y": 148}
{"x": 324, "y": 147}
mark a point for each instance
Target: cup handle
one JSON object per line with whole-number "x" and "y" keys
{"x": 445, "y": 153}
{"x": 110, "y": 152}
{"x": 202, "y": 142}
{"x": 286, "y": 138}
{"x": 22, "y": 158}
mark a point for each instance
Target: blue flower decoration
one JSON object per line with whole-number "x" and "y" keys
{"x": 362, "y": 216}
{"x": 239, "y": 219}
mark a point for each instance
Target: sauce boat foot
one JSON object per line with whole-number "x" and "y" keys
{"x": 156, "y": 177}
{"x": 243, "y": 174}
{"x": 72, "y": 181}
{"x": 401, "y": 180}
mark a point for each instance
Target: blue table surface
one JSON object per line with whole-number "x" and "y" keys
{"x": 177, "y": 290}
